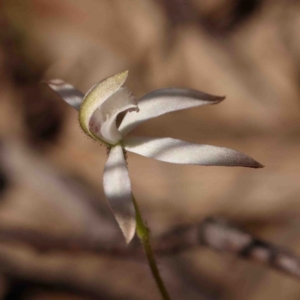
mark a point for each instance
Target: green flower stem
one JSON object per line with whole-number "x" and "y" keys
{"x": 144, "y": 235}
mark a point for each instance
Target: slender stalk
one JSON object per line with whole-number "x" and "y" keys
{"x": 144, "y": 235}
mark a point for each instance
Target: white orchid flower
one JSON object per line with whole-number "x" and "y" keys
{"x": 98, "y": 111}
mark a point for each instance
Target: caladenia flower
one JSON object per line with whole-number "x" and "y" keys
{"x": 98, "y": 111}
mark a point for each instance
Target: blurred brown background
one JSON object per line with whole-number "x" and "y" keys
{"x": 51, "y": 174}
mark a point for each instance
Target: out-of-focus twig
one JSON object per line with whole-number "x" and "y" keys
{"x": 221, "y": 235}
{"x": 213, "y": 233}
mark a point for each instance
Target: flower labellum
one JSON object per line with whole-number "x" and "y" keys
{"x": 98, "y": 111}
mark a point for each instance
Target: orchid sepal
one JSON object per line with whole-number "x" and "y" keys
{"x": 182, "y": 152}
{"x": 117, "y": 188}
{"x": 66, "y": 91}
{"x": 162, "y": 101}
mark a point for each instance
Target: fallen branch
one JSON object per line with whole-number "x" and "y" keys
{"x": 222, "y": 236}
{"x": 213, "y": 233}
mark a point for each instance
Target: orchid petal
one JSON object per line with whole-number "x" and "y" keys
{"x": 117, "y": 188}
{"x": 163, "y": 101}
{"x": 67, "y": 92}
{"x": 96, "y": 96}
{"x": 120, "y": 101}
{"x": 181, "y": 152}
{"x": 103, "y": 120}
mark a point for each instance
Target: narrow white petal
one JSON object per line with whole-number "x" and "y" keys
{"x": 67, "y": 92}
{"x": 181, "y": 152}
{"x": 163, "y": 101}
{"x": 117, "y": 188}
{"x": 96, "y": 96}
